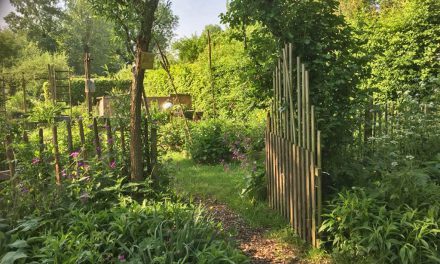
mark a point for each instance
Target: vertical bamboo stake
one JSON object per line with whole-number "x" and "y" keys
{"x": 319, "y": 176}
{"x": 266, "y": 141}
{"x": 291, "y": 96}
{"x": 298, "y": 83}
{"x": 303, "y": 103}
{"x": 96, "y": 138}
{"x": 56, "y": 155}
{"x": 312, "y": 175}
{"x": 307, "y": 165}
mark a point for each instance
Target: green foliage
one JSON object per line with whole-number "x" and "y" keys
{"x": 173, "y": 134}
{"x": 232, "y": 92}
{"x": 10, "y": 46}
{"x": 162, "y": 232}
{"x": 209, "y": 143}
{"x": 40, "y": 19}
{"x": 362, "y": 225}
{"x": 322, "y": 39}
{"x": 83, "y": 31}
{"x": 402, "y": 47}
{"x": 104, "y": 86}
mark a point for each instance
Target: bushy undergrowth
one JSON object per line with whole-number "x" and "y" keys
{"x": 219, "y": 140}
{"x": 96, "y": 214}
{"x": 151, "y": 232}
{"x": 393, "y": 215}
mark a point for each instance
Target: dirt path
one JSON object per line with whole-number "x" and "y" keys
{"x": 251, "y": 241}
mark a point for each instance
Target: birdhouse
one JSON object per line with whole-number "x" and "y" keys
{"x": 147, "y": 60}
{"x": 105, "y": 106}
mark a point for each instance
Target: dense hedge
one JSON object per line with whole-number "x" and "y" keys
{"x": 103, "y": 87}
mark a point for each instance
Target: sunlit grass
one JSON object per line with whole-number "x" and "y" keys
{"x": 224, "y": 184}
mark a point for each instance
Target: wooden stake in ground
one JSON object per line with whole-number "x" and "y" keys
{"x": 56, "y": 155}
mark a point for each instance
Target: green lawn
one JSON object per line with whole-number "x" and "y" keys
{"x": 224, "y": 185}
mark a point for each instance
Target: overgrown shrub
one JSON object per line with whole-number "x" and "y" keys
{"x": 223, "y": 140}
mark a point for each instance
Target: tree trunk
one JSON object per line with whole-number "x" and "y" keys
{"x": 142, "y": 44}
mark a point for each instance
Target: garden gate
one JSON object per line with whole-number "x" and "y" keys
{"x": 293, "y": 149}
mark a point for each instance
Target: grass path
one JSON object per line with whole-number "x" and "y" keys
{"x": 261, "y": 233}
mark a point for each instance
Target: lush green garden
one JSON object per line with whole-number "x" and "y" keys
{"x": 375, "y": 84}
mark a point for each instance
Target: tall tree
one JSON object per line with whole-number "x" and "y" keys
{"x": 134, "y": 20}
{"x": 83, "y": 30}
{"x": 40, "y": 19}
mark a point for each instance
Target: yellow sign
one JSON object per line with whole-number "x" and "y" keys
{"x": 147, "y": 60}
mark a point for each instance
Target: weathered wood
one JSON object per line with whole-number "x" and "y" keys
{"x": 56, "y": 155}
{"x": 108, "y": 128}
{"x": 69, "y": 138}
{"x": 96, "y": 139}
{"x": 41, "y": 143}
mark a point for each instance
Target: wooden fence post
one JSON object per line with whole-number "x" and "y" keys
{"x": 108, "y": 128}
{"x": 96, "y": 140}
{"x": 56, "y": 155}
{"x": 41, "y": 143}
{"x": 69, "y": 138}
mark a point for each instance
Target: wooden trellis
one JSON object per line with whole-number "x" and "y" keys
{"x": 60, "y": 86}
{"x": 293, "y": 149}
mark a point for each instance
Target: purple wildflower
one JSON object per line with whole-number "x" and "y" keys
{"x": 113, "y": 165}
{"x": 121, "y": 258}
{"x": 80, "y": 164}
{"x": 63, "y": 173}
{"x": 35, "y": 161}
{"x": 74, "y": 154}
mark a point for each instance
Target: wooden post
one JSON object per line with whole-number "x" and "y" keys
{"x": 96, "y": 138}
{"x": 82, "y": 138}
{"x": 56, "y": 155}
{"x": 89, "y": 94}
{"x": 41, "y": 143}
{"x": 69, "y": 138}
{"x": 108, "y": 128}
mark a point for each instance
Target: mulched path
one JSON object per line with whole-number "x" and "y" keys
{"x": 251, "y": 241}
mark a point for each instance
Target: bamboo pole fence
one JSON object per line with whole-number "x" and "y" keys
{"x": 293, "y": 149}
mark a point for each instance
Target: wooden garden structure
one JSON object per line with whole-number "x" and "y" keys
{"x": 293, "y": 149}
